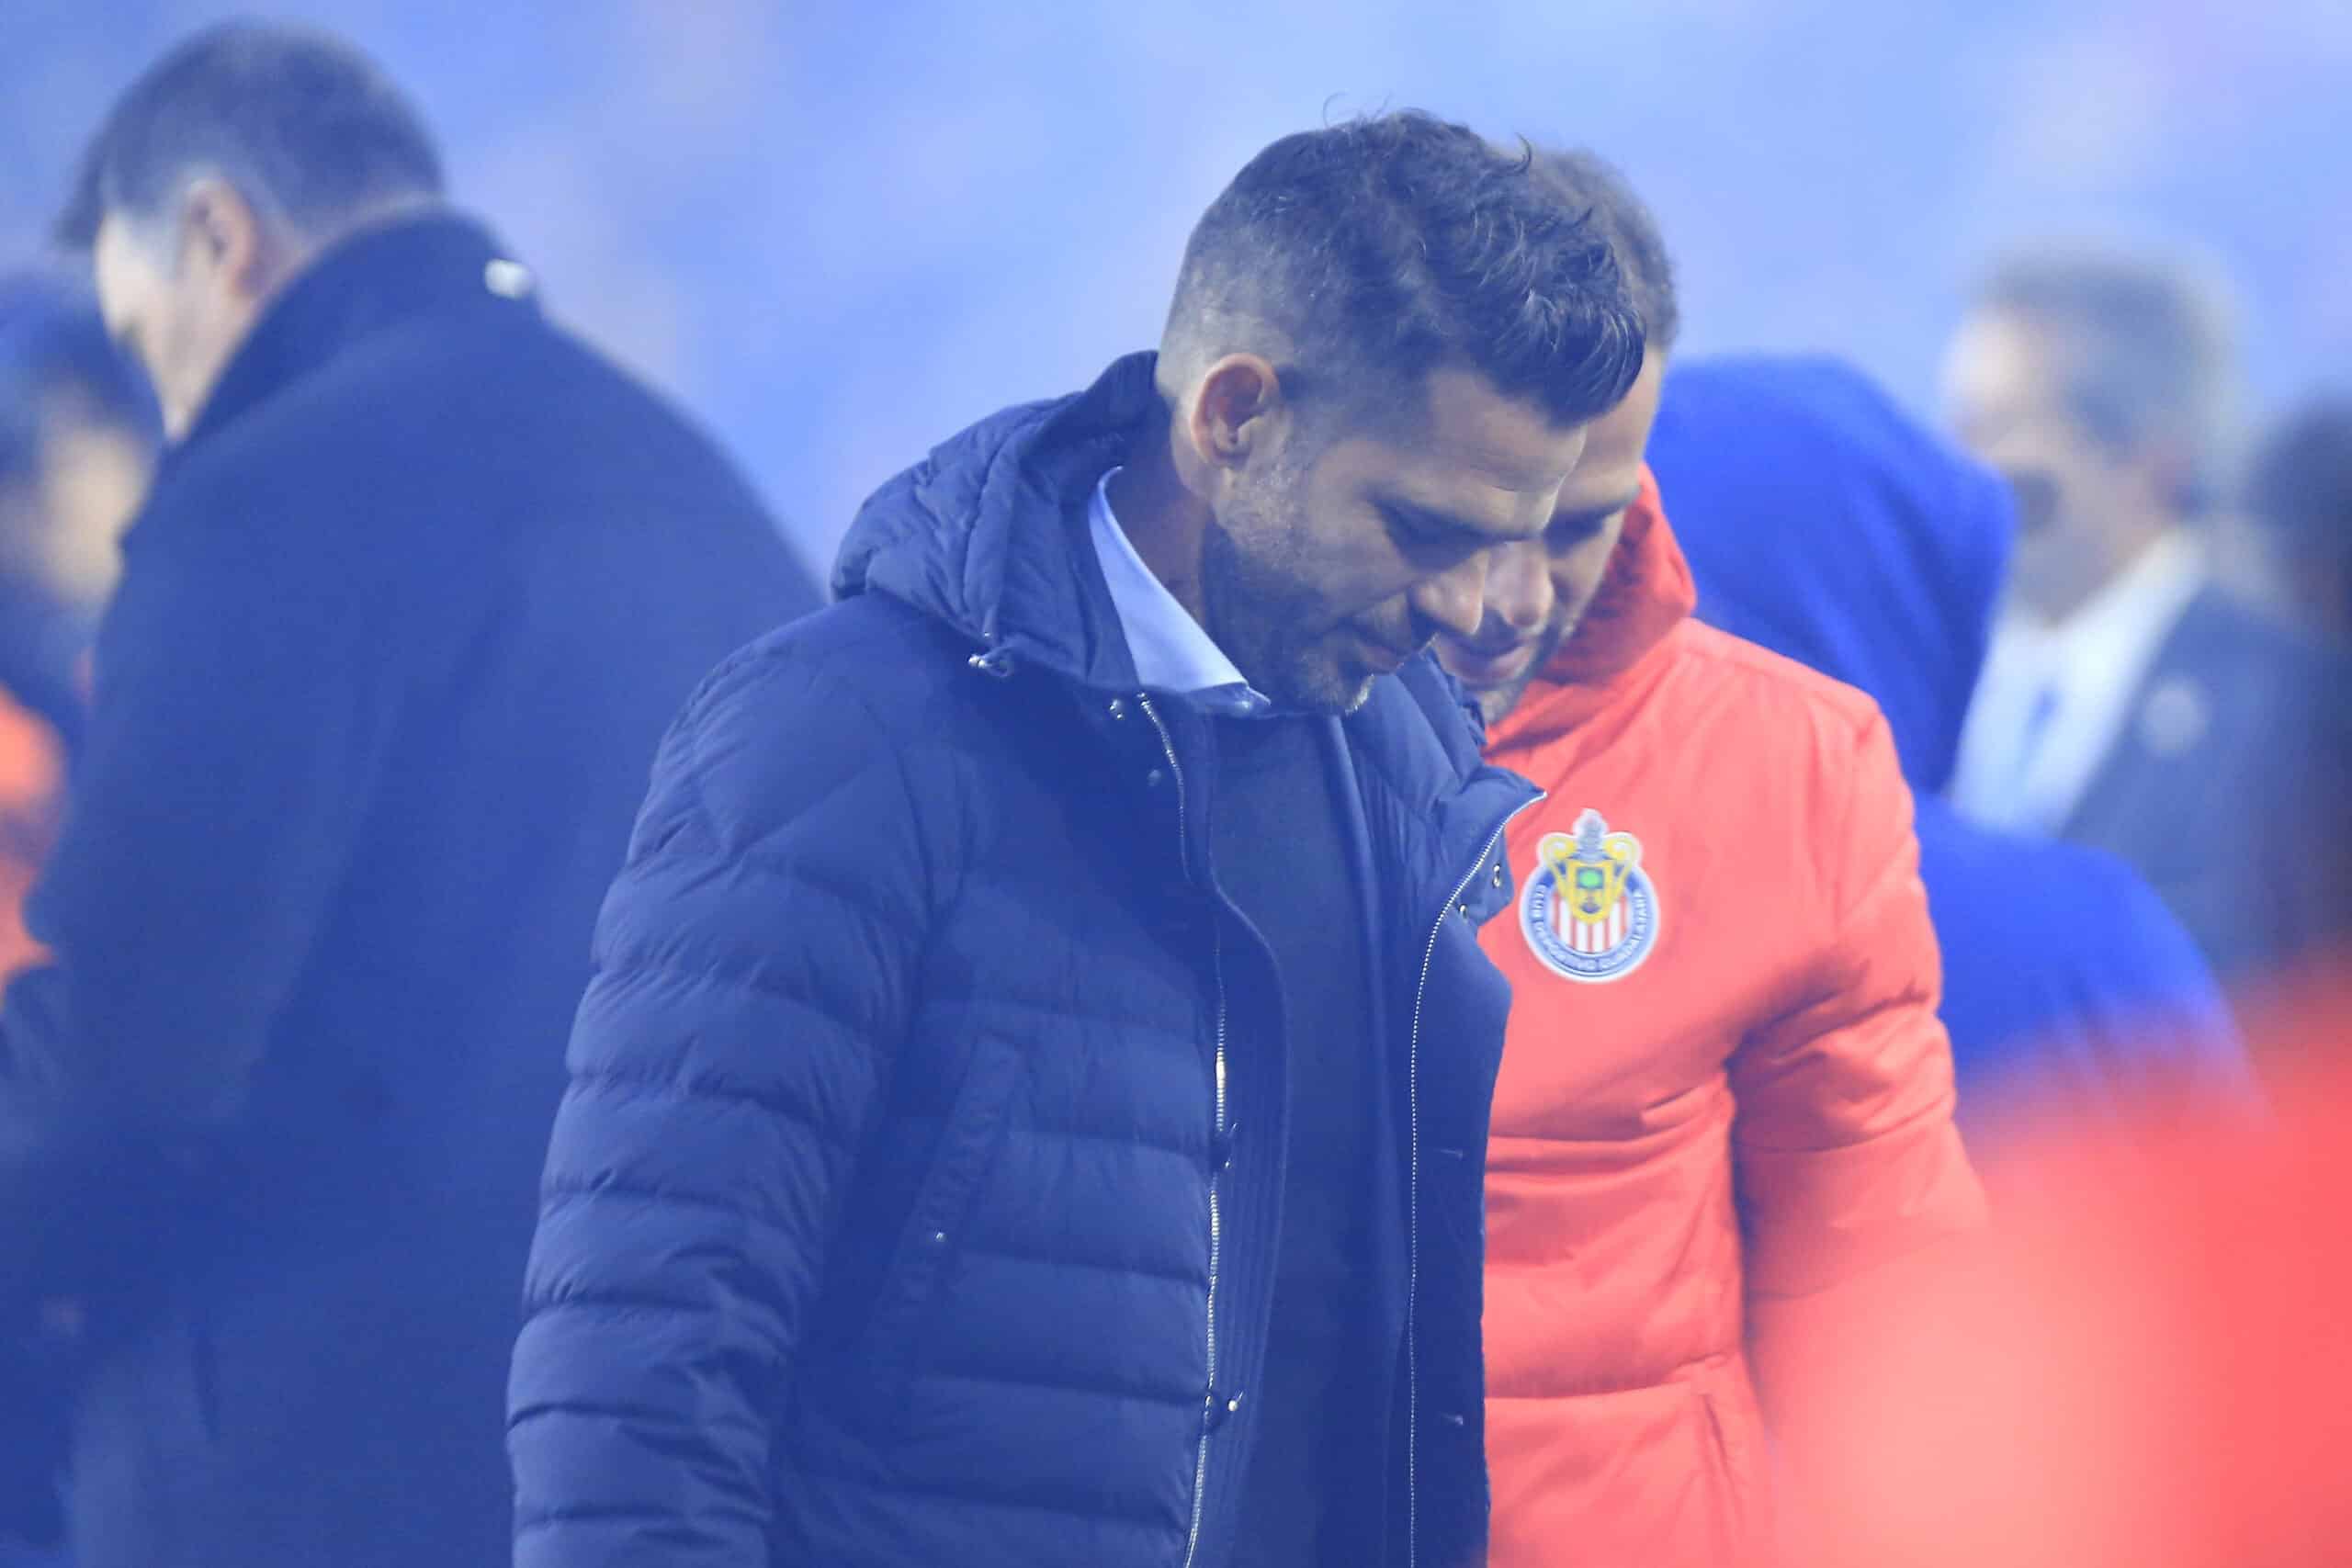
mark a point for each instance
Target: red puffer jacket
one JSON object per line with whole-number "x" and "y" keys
{"x": 1725, "y": 1101}
{"x": 32, "y": 778}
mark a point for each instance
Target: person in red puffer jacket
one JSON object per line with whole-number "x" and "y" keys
{"x": 1723, "y": 1126}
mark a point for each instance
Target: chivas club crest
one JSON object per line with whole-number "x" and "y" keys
{"x": 1588, "y": 910}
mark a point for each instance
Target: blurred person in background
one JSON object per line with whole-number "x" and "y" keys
{"x": 1826, "y": 523}
{"x": 1030, "y": 1113}
{"x": 77, "y": 439}
{"x": 1724, "y": 1108}
{"x": 2152, "y": 1365}
{"x": 419, "y": 583}
{"x": 2129, "y": 702}
{"x": 2299, "y": 490}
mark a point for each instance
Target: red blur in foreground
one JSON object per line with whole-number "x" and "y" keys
{"x": 2151, "y": 1365}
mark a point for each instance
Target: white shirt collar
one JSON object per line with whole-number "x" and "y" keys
{"x": 1170, "y": 651}
{"x": 2116, "y": 631}
{"x": 2093, "y": 664}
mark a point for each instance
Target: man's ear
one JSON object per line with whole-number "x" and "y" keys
{"x": 1237, "y": 411}
{"x": 2172, "y": 473}
{"x": 223, "y": 232}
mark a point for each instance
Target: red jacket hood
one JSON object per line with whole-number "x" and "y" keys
{"x": 1646, "y": 593}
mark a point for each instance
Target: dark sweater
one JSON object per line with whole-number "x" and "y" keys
{"x": 1281, "y": 857}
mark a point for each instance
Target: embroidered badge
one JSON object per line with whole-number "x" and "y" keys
{"x": 1588, "y": 908}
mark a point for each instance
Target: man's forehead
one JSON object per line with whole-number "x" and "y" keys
{"x": 1469, "y": 432}
{"x": 1616, "y": 443}
{"x": 1999, "y": 364}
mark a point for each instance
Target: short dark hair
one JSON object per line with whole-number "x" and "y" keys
{"x": 1600, "y": 189}
{"x": 54, "y": 351}
{"x": 2147, "y": 345}
{"x": 299, "y": 121}
{"x": 2300, "y": 485}
{"x": 1390, "y": 246}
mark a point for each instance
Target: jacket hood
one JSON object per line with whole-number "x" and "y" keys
{"x": 988, "y": 534}
{"x": 1824, "y": 523}
{"x": 1644, "y": 596}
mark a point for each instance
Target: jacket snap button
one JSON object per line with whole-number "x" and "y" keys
{"x": 1156, "y": 777}
{"x": 935, "y": 1238}
{"x": 1466, "y": 910}
{"x": 1455, "y": 1419}
{"x": 1118, "y": 708}
{"x": 1497, "y": 879}
{"x": 507, "y": 280}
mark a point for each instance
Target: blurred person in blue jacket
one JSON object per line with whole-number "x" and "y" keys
{"x": 1827, "y": 524}
{"x": 420, "y": 582}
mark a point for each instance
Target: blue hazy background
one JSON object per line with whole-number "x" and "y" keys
{"x": 840, "y": 231}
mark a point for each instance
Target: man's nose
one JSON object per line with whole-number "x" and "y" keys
{"x": 1454, "y": 601}
{"x": 1518, "y": 588}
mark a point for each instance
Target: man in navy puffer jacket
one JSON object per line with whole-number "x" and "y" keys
{"x": 1029, "y": 1111}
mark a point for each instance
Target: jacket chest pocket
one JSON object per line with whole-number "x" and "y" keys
{"x": 885, "y": 1357}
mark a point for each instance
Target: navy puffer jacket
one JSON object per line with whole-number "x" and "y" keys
{"x": 907, "y": 1207}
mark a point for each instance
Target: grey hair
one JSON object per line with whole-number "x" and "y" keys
{"x": 305, "y": 126}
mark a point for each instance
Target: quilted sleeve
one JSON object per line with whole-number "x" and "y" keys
{"x": 1851, "y": 1174}
{"x": 753, "y": 965}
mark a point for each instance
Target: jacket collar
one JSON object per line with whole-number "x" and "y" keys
{"x": 1646, "y": 593}
{"x": 370, "y": 281}
{"x": 1172, "y": 653}
{"x": 989, "y": 533}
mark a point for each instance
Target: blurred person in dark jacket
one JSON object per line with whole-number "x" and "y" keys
{"x": 2300, "y": 491}
{"x": 420, "y": 582}
{"x": 2298, "y": 496}
{"x": 77, "y": 440}
{"x": 1030, "y": 1111}
{"x": 2128, "y": 701}
{"x": 1823, "y": 522}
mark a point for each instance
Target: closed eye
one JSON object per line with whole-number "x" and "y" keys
{"x": 1433, "y": 533}
{"x": 1567, "y": 533}
{"x": 1569, "y": 529}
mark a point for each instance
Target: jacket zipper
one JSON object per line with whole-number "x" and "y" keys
{"x": 1216, "y": 1153}
{"x": 1413, "y": 1204}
